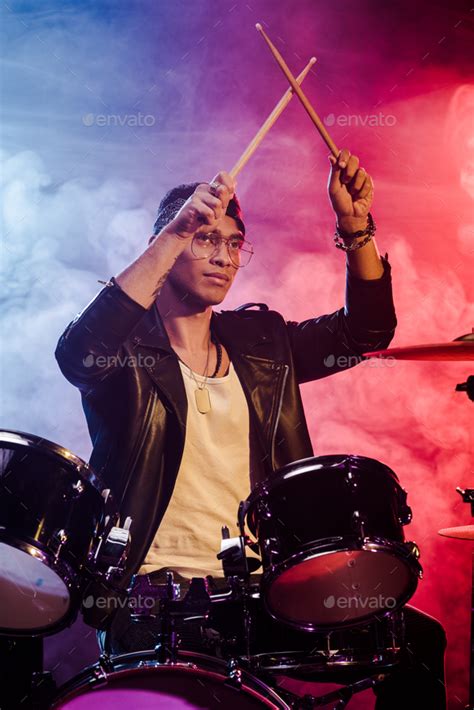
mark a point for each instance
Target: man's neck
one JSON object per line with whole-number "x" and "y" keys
{"x": 188, "y": 327}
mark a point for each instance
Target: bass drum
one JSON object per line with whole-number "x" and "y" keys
{"x": 330, "y": 533}
{"x": 52, "y": 515}
{"x": 138, "y": 680}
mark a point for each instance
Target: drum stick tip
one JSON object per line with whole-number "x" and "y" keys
{"x": 258, "y": 27}
{"x": 312, "y": 60}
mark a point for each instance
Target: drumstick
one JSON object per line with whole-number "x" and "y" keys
{"x": 262, "y": 132}
{"x": 299, "y": 92}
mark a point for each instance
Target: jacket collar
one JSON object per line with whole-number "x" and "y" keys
{"x": 231, "y": 329}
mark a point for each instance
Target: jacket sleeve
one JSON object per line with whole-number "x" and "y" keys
{"x": 88, "y": 352}
{"x": 331, "y": 343}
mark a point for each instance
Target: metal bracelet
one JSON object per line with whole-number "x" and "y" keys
{"x": 368, "y": 233}
{"x": 353, "y": 245}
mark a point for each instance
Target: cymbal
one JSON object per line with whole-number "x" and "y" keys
{"x": 463, "y": 532}
{"x": 460, "y": 349}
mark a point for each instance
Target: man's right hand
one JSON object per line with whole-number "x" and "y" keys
{"x": 206, "y": 206}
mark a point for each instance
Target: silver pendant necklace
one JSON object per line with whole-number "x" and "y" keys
{"x": 201, "y": 393}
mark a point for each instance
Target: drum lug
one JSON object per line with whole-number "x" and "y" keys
{"x": 105, "y": 665}
{"x": 358, "y": 524}
{"x": 352, "y": 480}
{"x": 414, "y": 551}
{"x": 78, "y": 488}
{"x": 234, "y": 674}
{"x": 59, "y": 540}
{"x": 405, "y": 514}
{"x": 271, "y": 547}
{"x": 75, "y": 490}
{"x": 264, "y": 510}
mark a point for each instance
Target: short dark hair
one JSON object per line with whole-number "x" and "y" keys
{"x": 177, "y": 196}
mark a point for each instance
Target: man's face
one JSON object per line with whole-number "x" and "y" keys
{"x": 207, "y": 280}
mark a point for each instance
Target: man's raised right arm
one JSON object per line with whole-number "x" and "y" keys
{"x": 87, "y": 352}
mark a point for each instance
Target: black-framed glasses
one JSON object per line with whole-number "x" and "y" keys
{"x": 205, "y": 246}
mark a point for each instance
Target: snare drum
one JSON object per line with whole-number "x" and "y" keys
{"x": 138, "y": 680}
{"x": 245, "y": 630}
{"x": 330, "y": 533}
{"x": 51, "y": 519}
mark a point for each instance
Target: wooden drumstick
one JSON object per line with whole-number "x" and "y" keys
{"x": 263, "y": 130}
{"x": 299, "y": 92}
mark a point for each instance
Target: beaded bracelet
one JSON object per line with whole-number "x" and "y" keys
{"x": 368, "y": 232}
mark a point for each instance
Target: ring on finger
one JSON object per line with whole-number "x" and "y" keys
{"x": 214, "y": 186}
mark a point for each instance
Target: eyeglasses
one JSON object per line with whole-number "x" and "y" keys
{"x": 207, "y": 245}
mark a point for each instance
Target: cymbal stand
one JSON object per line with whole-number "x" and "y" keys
{"x": 467, "y": 494}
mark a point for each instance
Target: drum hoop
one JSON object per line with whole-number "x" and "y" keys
{"x": 367, "y": 545}
{"x": 188, "y": 661}
{"x": 385, "y": 657}
{"x": 64, "y": 571}
{"x": 65, "y": 456}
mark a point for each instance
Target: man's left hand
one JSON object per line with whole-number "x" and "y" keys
{"x": 350, "y": 190}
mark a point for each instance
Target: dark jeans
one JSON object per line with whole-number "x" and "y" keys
{"x": 416, "y": 682}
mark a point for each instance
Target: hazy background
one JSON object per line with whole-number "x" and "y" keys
{"x": 106, "y": 105}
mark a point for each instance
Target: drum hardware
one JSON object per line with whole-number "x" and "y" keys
{"x": 467, "y": 387}
{"x": 271, "y": 549}
{"x": 359, "y": 523}
{"x": 405, "y": 514}
{"x": 232, "y": 555}
{"x": 104, "y": 666}
{"x": 234, "y": 674}
{"x": 466, "y": 532}
{"x": 351, "y": 478}
{"x": 195, "y": 603}
{"x": 235, "y": 563}
{"x": 112, "y": 551}
{"x": 264, "y": 510}
{"x": 342, "y": 696}
{"x": 78, "y": 488}
{"x": 59, "y": 540}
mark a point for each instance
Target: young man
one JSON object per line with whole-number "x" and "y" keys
{"x": 188, "y": 408}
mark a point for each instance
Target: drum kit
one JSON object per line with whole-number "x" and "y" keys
{"x": 336, "y": 573}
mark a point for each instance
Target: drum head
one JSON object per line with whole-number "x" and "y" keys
{"x": 33, "y": 596}
{"x": 199, "y": 683}
{"x": 339, "y": 588}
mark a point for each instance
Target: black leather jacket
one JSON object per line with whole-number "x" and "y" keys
{"x": 119, "y": 356}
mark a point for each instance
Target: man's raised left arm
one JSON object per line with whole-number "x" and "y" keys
{"x": 334, "y": 342}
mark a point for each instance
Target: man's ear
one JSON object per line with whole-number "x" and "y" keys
{"x": 153, "y": 236}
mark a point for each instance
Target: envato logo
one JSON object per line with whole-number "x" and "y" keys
{"x": 369, "y": 119}
{"x": 119, "y": 360}
{"x": 136, "y": 602}
{"x": 351, "y": 360}
{"x": 377, "y": 602}
{"x": 115, "y": 119}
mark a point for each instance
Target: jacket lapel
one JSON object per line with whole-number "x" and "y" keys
{"x": 162, "y": 365}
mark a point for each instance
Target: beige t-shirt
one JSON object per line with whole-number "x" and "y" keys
{"x": 212, "y": 480}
